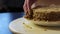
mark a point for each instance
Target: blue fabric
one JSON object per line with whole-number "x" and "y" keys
{"x": 5, "y": 19}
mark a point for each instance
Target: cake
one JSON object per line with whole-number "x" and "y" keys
{"x": 47, "y": 12}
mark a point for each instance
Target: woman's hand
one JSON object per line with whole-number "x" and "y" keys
{"x": 27, "y": 6}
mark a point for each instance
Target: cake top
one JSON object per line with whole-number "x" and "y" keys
{"x": 46, "y": 3}
{"x": 57, "y": 2}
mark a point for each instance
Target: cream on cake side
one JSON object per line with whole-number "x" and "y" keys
{"x": 47, "y": 9}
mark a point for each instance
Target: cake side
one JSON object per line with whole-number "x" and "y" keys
{"x": 45, "y": 13}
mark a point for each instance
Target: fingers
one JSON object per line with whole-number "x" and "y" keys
{"x": 25, "y": 7}
{"x": 28, "y": 6}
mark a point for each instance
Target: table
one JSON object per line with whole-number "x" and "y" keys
{"x": 5, "y": 19}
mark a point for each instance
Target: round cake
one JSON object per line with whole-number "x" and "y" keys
{"x": 46, "y": 14}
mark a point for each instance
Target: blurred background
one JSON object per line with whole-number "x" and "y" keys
{"x": 11, "y": 5}
{"x": 9, "y": 11}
